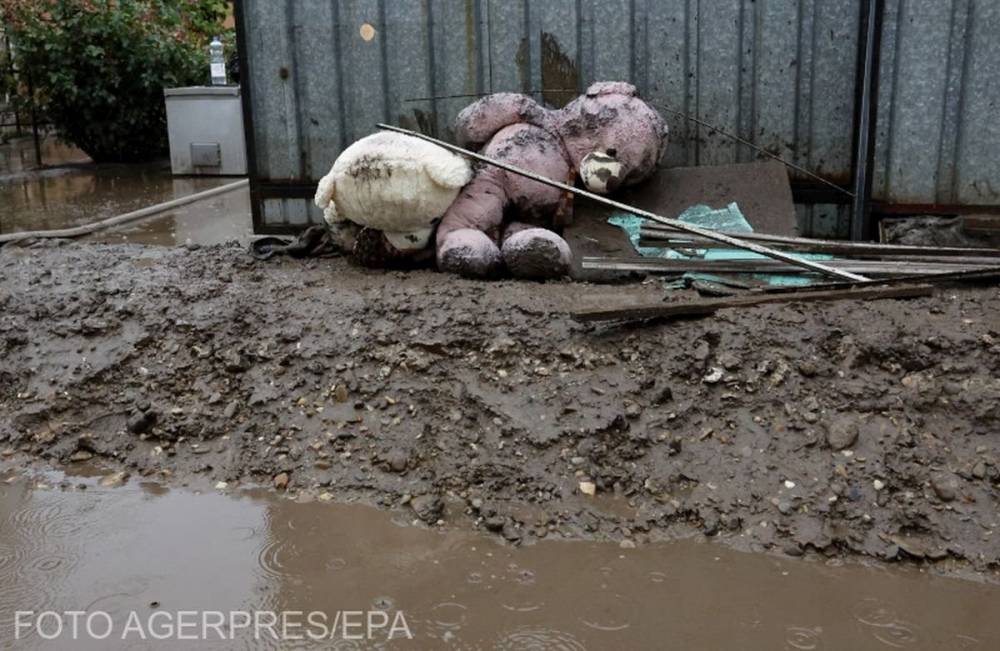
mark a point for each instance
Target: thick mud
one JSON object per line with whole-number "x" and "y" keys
{"x": 146, "y": 554}
{"x": 826, "y": 430}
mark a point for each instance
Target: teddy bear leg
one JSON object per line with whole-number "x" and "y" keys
{"x": 468, "y": 234}
{"x": 535, "y": 253}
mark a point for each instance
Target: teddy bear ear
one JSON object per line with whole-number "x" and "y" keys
{"x": 325, "y": 190}
{"x": 599, "y": 88}
{"x": 479, "y": 121}
{"x": 449, "y": 170}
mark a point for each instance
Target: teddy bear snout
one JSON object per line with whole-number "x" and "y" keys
{"x": 601, "y": 171}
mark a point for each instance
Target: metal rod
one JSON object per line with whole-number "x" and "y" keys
{"x": 670, "y": 265}
{"x": 657, "y": 232}
{"x": 246, "y": 103}
{"x": 865, "y": 112}
{"x": 679, "y": 225}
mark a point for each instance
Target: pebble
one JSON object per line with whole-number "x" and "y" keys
{"x": 141, "y": 421}
{"x": 632, "y": 409}
{"x": 221, "y": 486}
{"x": 729, "y": 360}
{"x": 114, "y": 480}
{"x": 713, "y": 376}
{"x": 428, "y": 507}
{"x": 81, "y": 455}
{"x": 979, "y": 470}
{"x": 878, "y": 484}
{"x": 808, "y": 369}
{"x": 945, "y": 485}
{"x": 588, "y": 488}
{"x": 398, "y": 460}
{"x": 841, "y": 433}
{"x": 281, "y": 481}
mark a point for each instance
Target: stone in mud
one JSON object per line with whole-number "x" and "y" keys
{"x": 235, "y": 362}
{"x": 397, "y": 459}
{"x": 141, "y": 421}
{"x": 808, "y": 368}
{"x": 842, "y": 432}
{"x": 81, "y": 455}
{"x": 979, "y": 470}
{"x": 495, "y": 523}
{"x": 632, "y": 409}
{"x": 114, "y": 480}
{"x": 281, "y": 481}
{"x": 428, "y": 507}
{"x": 713, "y": 376}
{"x": 945, "y": 485}
{"x": 729, "y": 360}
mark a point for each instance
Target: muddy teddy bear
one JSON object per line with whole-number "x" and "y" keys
{"x": 610, "y": 136}
{"x": 384, "y": 195}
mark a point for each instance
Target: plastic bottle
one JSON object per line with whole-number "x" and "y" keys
{"x": 218, "y": 62}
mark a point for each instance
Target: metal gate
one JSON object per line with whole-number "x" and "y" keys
{"x": 783, "y": 74}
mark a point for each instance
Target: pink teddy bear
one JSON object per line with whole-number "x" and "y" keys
{"x": 500, "y": 219}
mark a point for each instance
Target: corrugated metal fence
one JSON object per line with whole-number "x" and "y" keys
{"x": 781, "y": 73}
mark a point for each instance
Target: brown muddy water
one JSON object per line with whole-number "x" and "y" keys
{"x": 72, "y": 191}
{"x": 71, "y": 544}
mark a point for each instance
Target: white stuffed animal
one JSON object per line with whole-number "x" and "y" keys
{"x": 392, "y": 183}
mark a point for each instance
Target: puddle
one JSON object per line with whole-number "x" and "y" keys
{"x": 81, "y": 192}
{"x": 146, "y": 549}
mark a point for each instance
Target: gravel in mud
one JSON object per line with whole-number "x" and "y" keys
{"x": 835, "y": 429}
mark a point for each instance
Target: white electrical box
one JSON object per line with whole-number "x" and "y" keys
{"x": 205, "y": 127}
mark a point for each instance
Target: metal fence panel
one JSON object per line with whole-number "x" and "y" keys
{"x": 780, "y": 73}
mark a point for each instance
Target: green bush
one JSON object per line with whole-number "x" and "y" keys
{"x": 99, "y": 67}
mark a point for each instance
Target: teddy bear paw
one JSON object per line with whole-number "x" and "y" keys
{"x": 537, "y": 254}
{"x": 470, "y": 253}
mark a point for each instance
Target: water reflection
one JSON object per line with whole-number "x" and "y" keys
{"x": 80, "y": 193}
{"x": 142, "y": 548}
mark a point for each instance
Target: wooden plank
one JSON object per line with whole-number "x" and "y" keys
{"x": 711, "y": 305}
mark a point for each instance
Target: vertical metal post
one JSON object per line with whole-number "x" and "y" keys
{"x": 865, "y": 116}
{"x": 246, "y": 90}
